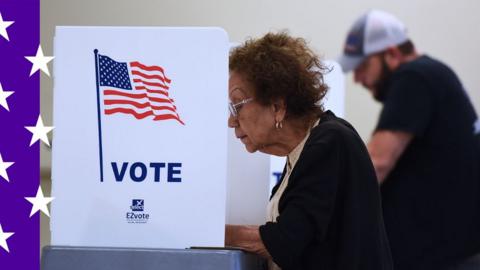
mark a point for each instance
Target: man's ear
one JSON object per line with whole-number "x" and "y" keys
{"x": 392, "y": 57}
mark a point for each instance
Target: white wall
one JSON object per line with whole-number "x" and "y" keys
{"x": 448, "y": 30}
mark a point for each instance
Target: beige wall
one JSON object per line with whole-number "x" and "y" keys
{"x": 448, "y": 30}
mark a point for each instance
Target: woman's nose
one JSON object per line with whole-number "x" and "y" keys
{"x": 232, "y": 121}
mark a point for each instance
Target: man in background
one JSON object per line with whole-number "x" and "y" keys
{"x": 425, "y": 147}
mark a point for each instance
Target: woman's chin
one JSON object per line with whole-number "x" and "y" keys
{"x": 251, "y": 148}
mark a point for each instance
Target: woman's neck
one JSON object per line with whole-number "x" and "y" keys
{"x": 287, "y": 138}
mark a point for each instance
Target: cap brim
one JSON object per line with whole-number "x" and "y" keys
{"x": 349, "y": 62}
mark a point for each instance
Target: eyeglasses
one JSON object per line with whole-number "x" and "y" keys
{"x": 235, "y": 108}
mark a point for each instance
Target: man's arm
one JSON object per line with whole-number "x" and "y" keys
{"x": 385, "y": 148}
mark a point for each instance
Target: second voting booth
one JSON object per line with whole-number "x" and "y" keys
{"x": 144, "y": 166}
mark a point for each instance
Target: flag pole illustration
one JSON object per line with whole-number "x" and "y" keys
{"x": 134, "y": 89}
{"x": 99, "y": 116}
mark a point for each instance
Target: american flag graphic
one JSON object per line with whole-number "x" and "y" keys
{"x": 136, "y": 89}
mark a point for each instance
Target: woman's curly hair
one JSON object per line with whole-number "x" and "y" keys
{"x": 282, "y": 67}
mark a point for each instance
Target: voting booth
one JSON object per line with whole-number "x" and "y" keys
{"x": 145, "y": 171}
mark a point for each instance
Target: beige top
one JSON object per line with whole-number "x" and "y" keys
{"x": 272, "y": 207}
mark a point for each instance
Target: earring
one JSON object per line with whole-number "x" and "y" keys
{"x": 279, "y": 125}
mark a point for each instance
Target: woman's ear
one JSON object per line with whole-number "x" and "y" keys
{"x": 279, "y": 109}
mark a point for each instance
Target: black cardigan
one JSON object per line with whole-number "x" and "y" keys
{"x": 330, "y": 212}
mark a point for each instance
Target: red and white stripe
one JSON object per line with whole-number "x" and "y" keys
{"x": 149, "y": 97}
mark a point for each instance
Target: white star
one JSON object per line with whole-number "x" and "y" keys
{"x": 39, "y": 202}
{"x": 3, "y": 27}
{"x": 39, "y": 132}
{"x": 3, "y": 168}
{"x": 3, "y": 238}
{"x": 39, "y": 61}
{"x": 3, "y": 97}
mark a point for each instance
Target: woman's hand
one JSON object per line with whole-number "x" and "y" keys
{"x": 246, "y": 237}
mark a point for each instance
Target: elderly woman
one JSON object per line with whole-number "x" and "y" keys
{"x": 325, "y": 213}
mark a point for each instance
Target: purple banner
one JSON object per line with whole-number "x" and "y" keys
{"x": 20, "y": 162}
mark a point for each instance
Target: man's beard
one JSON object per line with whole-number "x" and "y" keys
{"x": 382, "y": 85}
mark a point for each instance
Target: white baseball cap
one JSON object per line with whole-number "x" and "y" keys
{"x": 373, "y": 32}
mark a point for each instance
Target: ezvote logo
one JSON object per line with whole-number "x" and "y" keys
{"x": 137, "y": 215}
{"x": 137, "y": 205}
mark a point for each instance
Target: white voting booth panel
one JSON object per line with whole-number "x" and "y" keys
{"x": 139, "y": 149}
{"x": 248, "y": 185}
{"x": 334, "y": 101}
